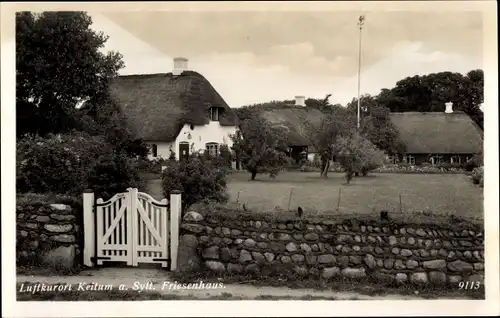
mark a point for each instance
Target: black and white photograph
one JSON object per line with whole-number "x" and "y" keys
{"x": 253, "y": 158}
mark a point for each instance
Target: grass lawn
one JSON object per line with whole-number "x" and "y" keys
{"x": 437, "y": 193}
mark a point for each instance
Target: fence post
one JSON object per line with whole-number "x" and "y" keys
{"x": 88, "y": 228}
{"x": 175, "y": 218}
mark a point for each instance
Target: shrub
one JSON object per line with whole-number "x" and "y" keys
{"x": 478, "y": 176}
{"x": 56, "y": 163}
{"x": 475, "y": 162}
{"x": 70, "y": 164}
{"x": 111, "y": 174}
{"x": 197, "y": 178}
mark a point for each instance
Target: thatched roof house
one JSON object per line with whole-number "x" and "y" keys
{"x": 442, "y": 135}
{"x": 174, "y": 111}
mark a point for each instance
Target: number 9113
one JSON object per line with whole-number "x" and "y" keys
{"x": 469, "y": 285}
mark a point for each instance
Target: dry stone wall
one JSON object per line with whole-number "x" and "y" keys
{"x": 402, "y": 253}
{"x": 48, "y": 235}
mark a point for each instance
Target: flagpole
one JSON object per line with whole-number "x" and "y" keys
{"x": 361, "y": 22}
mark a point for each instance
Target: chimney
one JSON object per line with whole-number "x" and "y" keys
{"x": 180, "y": 65}
{"x": 449, "y": 107}
{"x": 300, "y": 101}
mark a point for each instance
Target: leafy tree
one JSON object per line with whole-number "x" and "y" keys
{"x": 259, "y": 146}
{"x": 58, "y": 64}
{"x": 357, "y": 154}
{"x": 102, "y": 116}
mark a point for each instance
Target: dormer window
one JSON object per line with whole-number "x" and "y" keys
{"x": 214, "y": 113}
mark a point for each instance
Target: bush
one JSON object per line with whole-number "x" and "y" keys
{"x": 112, "y": 173}
{"x": 478, "y": 176}
{"x": 70, "y": 164}
{"x": 197, "y": 178}
{"x": 56, "y": 163}
{"x": 475, "y": 162}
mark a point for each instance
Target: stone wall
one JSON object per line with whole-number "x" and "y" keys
{"x": 393, "y": 252}
{"x": 48, "y": 236}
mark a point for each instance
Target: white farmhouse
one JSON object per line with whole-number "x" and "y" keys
{"x": 177, "y": 112}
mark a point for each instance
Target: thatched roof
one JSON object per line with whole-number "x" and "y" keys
{"x": 438, "y": 132}
{"x": 158, "y": 105}
{"x": 292, "y": 119}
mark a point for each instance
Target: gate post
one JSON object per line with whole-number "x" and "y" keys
{"x": 88, "y": 228}
{"x": 175, "y": 218}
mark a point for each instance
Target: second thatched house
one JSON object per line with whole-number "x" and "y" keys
{"x": 294, "y": 118}
{"x": 438, "y": 137}
{"x": 175, "y": 113}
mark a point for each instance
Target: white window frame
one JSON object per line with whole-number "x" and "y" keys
{"x": 212, "y": 148}
{"x": 410, "y": 160}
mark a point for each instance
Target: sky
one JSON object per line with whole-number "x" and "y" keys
{"x": 258, "y": 56}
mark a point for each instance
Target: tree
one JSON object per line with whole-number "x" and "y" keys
{"x": 259, "y": 146}
{"x": 429, "y": 93}
{"x": 357, "y": 154}
{"x": 58, "y": 64}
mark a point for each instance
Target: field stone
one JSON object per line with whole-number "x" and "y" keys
{"x": 234, "y": 268}
{"x": 395, "y": 250}
{"x": 306, "y": 248}
{"x": 329, "y": 272}
{"x": 226, "y": 231}
{"x": 343, "y": 261}
{"x": 388, "y": 263}
{"x": 58, "y": 228}
{"x": 460, "y": 266}
{"x": 215, "y": 266}
{"x": 61, "y": 258}
{"x": 252, "y": 268}
{"x": 43, "y": 218}
{"x": 326, "y": 259}
{"x": 411, "y": 264}
{"x": 437, "y": 278}
{"x": 411, "y": 240}
{"x": 291, "y": 247}
{"x": 401, "y": 277}
{"x": 315, "y": 247}
{"x": 419, "y": 278}
{"x": 353, "y": 272}
{"x": 263, "y": 236}
{"x": 195, "y": 228}
{"x": 435, "y": 264}
{"x": 298, "y": 236}
{"x": 301, "y": 270}
{"x": 424, "y": 253}
{"x": 434, "y": 252}
{"x": 476, "y": 254}
{"x": 192, "y": 216}
{"x": 249, "y": 242}
{"x": 378, "y": 250}
{"x": 227, "y": 240}
{"x": 236, "y": 232}
{"x": 367, "y": 249}
{"x": 269, "y": 256}
{"x": 258, "y": 224}
{"x": 245, "y": 256}
{"x": 258, "y": 257}
{"x": 63, "y": 238}
{"x": 398, "y": 264}
{"x": 23, "y": 233}
{"x": 406, "y": 252}
{"x": 443, "y": 253}
{"x": 370, "y": 261}
{"x": 225, "y": 254}
{"x": 454, "y": 279}
{"x": 311, "y": 236}
{"x": 380, "y": 263}
{"x": 289, "y": 226}
{"x": 211, "y": 252}
{"x": 357, "y": 238}
{"x": 285, "y": 259}
{"x": 284, "y": 237}
{"x": 297, "y": 258}
{"x": 356, "y": 248}
{"x": 355, "y": 259}
{"x": 421, "y": 232}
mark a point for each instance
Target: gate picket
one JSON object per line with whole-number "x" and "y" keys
{"x": 131, "y": 227}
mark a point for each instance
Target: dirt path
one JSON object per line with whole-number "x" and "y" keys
{"x": 161, "y": 282}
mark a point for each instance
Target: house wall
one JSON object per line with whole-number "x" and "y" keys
{"x": 163, "y": 149}
{"x": 197, "y": 138}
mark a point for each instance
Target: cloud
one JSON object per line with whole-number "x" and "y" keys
{"x": 250, "y": 57}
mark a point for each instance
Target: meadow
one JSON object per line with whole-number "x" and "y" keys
{"x": 439, "y": 194}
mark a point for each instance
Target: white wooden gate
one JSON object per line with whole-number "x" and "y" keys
{"x": 131, "y": 227}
